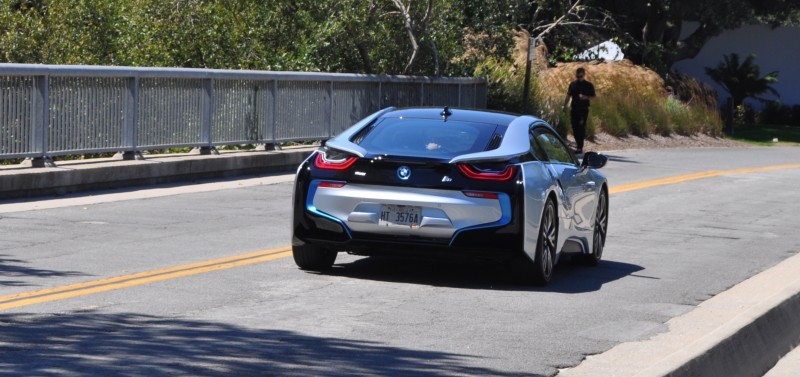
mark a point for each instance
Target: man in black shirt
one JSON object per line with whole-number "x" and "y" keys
{"x": 580, "y": 92}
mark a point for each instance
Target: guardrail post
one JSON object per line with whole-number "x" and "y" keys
{"x": 40, "y": 120}
{"x": 207, "y": 118}
{"x": 380, "y": 95}
{"x": 129, "y": 134}
{"x": 330, "y": 109}
{"x": 274, "y": 126}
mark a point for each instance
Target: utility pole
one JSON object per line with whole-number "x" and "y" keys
{"x": 527, "y": 86}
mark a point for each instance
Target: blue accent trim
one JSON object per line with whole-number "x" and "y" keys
{"x": 505, "y": 217}
{"x": 312, "y": 190}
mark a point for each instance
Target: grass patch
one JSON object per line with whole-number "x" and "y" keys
{"x": 623, "y": 105}
{"x": 763, "y": 135}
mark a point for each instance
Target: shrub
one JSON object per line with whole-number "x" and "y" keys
{"x": 775, "y": 113}
{"x": 795, "y": 120}
{"x": 659, "y": 117}
{"x": 681, "y": 120}
{"x": 623, "y": 106}
{"x": 634, "y": 114}
{"x": 504, "y": 90}
{"x": 592, "y": 125}
{"x": 706, "y": 120}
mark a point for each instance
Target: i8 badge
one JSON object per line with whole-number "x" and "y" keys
{"x": 404, "y": 173}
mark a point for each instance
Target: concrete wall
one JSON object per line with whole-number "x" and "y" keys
{"x": 776, "y": 50}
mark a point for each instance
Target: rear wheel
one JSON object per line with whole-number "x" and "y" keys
{"x": 313, "y": 258}
{"x": 600, "y": 228}
{"x": 540, "y": 271}
{"x": 546, "y": 246}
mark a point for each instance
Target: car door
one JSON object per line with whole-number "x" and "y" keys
{"x": 577, "y": 187}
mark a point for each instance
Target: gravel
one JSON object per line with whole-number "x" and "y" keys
{"x": 606, "y": 142}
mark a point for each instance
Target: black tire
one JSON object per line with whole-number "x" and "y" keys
{"x": 540, "y": 271}
{"x": 600, "y": 230}
{"x": 313, "y": 258}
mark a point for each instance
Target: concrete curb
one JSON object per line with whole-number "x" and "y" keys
{"x": 743, "y": 331}
{"x": 787, "y": 367}
{"x": 74, "y": 176}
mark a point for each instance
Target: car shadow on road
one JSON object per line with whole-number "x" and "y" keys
{"x": 15, "y": 268}
{"x": 90, "y": 343}
{"x": 569, "y": 277}
{"x": 614, "y": 158}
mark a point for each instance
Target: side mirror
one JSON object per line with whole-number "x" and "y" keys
{"x": 594, "y": 160}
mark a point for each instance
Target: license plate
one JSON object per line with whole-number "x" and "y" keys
{"x": 399, "y": 215}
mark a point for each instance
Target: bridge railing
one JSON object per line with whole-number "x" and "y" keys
{"x": 50, "y": 111}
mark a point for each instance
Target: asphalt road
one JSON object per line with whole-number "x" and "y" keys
{"x": 670, "y": 247}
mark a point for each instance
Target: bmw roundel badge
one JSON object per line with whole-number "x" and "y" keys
{"x": 404, "y": 173}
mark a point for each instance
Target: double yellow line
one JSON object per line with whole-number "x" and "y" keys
{"x": 103, "y": 285}
{"x": 691, "y": 177}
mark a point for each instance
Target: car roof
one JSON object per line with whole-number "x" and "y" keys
{"x": 514, "y": 142}
{"x": 457, "y": 114}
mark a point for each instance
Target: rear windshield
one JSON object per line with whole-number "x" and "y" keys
{"x": 426, "y": 137}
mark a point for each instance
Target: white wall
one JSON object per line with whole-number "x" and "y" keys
{"x": 776, "y": 50}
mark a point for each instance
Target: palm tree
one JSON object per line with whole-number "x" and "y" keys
{"x": 742, "y": 80}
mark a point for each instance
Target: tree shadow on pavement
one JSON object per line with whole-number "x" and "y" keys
{"x": 129, "y": 344}
{"x": 568, "y": 277}
{"x": 11, "y": 268}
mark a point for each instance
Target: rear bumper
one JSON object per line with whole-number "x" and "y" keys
{"x": 491, "y": 243}
{"x": 497, "y": 237}
{"x": 444, "y": 213}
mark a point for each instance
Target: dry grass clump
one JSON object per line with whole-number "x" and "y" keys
{"x": 630, "y": 99}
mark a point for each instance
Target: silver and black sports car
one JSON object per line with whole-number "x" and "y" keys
{"x": 433, "y": 181}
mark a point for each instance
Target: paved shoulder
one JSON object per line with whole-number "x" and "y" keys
{"x": 740, "y": 332}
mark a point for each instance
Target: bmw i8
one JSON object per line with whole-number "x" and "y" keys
{"x": 454, "y": 182}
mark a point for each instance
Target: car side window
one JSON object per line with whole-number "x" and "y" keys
{"x": 553, "y": 147}
{"x": 536, "y": 149}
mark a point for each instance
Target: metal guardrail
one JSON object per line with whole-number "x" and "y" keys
{"x": 50, "y": 111}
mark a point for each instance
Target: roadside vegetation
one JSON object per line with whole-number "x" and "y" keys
{"x": 415, "y": 37}
{"x": 631, "y": 99}
{"x": 767, "y": 135}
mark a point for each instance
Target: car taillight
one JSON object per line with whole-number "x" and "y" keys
{"x": 471, "y": 172}
{"x": 481, "y": 194}
{"x": 323, "y": 163}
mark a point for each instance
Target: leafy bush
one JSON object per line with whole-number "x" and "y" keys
{"x": 776, "y": 113}
{"x": 504, "y": 87}
{"x": 661, "y": 117}
{"x": 795, "y": 120}
{"x": 619, "y": 113}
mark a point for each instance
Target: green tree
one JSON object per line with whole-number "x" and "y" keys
{"x": 81, "y": 32}
{"x": 22, "y": 32}
{"x": 387, "y": 36}
{"x": 742, "y": 80}
{"x": 653, "y": 28}
{"x": 421, "y": 37}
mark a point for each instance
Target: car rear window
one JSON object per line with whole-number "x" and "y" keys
{"x": 428, "y": 137}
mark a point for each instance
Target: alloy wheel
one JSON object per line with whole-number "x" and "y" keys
{"x": 600, "y": 228}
